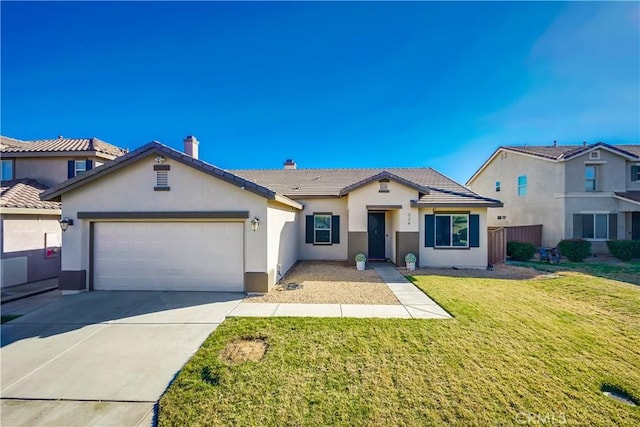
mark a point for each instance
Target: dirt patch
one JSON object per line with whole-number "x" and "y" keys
{"x": 500, "y": 271}
{"x": 328, "y": 282}
{"x": 244, "y": 350}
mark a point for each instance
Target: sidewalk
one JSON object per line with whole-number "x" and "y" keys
{"x": 413, "y": 303}
{"x": 14, "y": 293}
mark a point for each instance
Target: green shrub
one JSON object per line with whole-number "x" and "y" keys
{"x": 520, "y": 251}
{"x": 576, "y": 250}
{"x": 624, "y": 249}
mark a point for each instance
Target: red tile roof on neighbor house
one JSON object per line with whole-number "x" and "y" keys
{"x": 24, "y": 194}
{"x": 60, "y": 144}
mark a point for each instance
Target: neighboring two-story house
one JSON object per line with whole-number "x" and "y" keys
{"x": 30, "y": 229}
{"x": 590, "y": 190}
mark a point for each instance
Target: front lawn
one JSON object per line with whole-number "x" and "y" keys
{"x": 617, "y": 270}
{"x": 517, "y": 352}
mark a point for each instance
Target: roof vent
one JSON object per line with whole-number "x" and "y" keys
{"x": 290, "y": 164}
{"x": 191, "y": 146}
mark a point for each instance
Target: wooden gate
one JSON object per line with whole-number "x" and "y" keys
{"x": 497, "y": 245}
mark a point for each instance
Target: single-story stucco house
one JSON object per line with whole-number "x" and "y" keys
{"x": 159, "y": 219}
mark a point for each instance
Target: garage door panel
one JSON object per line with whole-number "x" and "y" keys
{"x": 168, "y": 256}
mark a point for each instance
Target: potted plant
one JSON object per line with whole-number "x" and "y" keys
{"x": 410, "y": 260}
{"x": 361, "y": 259}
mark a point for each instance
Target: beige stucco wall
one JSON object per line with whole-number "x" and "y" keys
{"x": 335, "y": 206}
{"x": 23, "y": 248}
{"x": 27, "y": 232}
{"x": 131, "y": 189}
{"x": 611, "y": 172}
{"x": 539, "y": 206}
{"x": 464, "y": 258}
{"x": 48, "y": 170}
{"x": 282, "y": 236}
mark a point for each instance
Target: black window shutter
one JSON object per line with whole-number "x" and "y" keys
{"x": 309, "y": 230}
{"x": 335, "y": 229}
{"x": 635, "y": 172}
{"x": 71, "y": 169}
{"x": 89, "y": 165}
{"x": 429, "y": 230}
{"x": 474, "y": 231}
{"x": 613, "y": 226}
{"x": 577, "y": 226}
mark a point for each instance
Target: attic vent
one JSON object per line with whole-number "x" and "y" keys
{"x": 162, "y": 177}
{"x": 384, "y": 186}
{"x": 594, "y": 155}
{"x": 503, "y": 156}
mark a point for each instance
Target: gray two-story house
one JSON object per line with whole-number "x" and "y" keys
{"x": 30, "y": 229}
{"x": 590, "y": 190}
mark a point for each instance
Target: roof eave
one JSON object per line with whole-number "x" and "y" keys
{"x": 67, "y": 153}
{"x": 418, "y": 204}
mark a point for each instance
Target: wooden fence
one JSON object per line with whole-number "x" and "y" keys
{"x": 526, "y": 233}
{"x": 497, "y": 245}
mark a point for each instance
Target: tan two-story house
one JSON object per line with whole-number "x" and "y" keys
{"x": 30, "y": 229}
{"x": 590, "y": 191}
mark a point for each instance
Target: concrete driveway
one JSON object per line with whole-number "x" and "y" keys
{"x": 102, "y": 358}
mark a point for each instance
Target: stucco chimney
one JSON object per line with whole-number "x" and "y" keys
{"x": 191, "y": 146}
{"x": 555, "y": 143}
{"x": 290, "y": 164}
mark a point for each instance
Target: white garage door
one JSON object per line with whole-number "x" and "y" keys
{"x": 174, "y": 256}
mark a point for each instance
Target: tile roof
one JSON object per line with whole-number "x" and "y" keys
{"x": 437, "y": 197}
{"x": 292, "y": 183}
{"x": 557, "y": 152}
{"x": 12, "y": 145}
{"x": 332, "y": 182}
{"x": 633, "y": 196}
{"x": 24, "y": 193}
{"x": 157, "y": 148}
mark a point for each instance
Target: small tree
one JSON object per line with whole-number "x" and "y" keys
{"x": 520, "y": 251}
{"x": 576, "y": 250}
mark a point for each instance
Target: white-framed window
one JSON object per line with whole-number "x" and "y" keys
{"x": 590, "y": 178}
{"x": 522, "y": 185}
{"x": 80, "y": 167}
{"x": 635, "y": 173}
{"x": 594, "y": 155}
{"x": 322, "y": 229}
{"x": 6, "y": 169}
{"x": 497, "y": 186}
{"x": 595, "y": 226}
{"x": 452, "y": 231}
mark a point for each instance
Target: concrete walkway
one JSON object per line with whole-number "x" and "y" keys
{"x": 413, "y": 303}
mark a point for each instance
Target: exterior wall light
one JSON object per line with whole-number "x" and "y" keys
{"x": 255, "y": 222}
{"x": 65, "y": 223}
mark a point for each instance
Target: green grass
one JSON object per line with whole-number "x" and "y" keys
{"x": 623, "y": 271}
{"x": 9, "y": 318}
{"x": 540, "y": 347}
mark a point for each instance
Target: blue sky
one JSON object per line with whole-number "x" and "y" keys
{"x": 327, "y": 84}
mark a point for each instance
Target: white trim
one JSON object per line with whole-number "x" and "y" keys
{"x": 595, "y": 162}
{"x": 316, "y": 229}
{"x": 289, "y": 202}
{"x": 626, "y": 200}
{"x": 586, "y": 194}
{"x": 506, "y": 150}
{"x": 30, "y": 211}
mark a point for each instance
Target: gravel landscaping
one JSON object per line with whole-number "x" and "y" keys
{"x": 327, "y": 282}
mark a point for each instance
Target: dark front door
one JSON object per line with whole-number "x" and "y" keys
{"x": 376, "y": 235}
{"x": 635, "y": 226}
